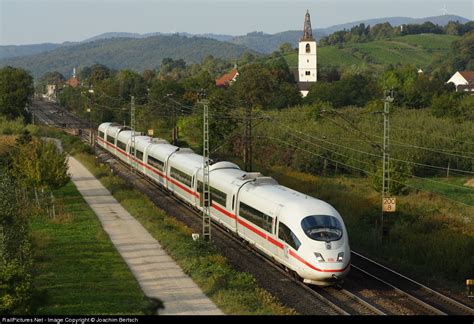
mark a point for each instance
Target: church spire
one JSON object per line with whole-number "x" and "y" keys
{"x": 308, "y": 32}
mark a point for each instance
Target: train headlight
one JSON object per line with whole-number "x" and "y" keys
{"x": 319, "y": 257}
{"x": 340, "y": 256}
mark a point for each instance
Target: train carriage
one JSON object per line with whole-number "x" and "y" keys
{"x": 123, "y": 145}
{"x": 222, "y": 195}
{"x": 181, "y": 169}
{"x": 157, "y": 158}
{"x": 305, "y": 235}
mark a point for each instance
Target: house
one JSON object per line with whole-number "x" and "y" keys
{"x": 50, "y": 92}
{"x": 463, "y": 80}
{"x": 227, "y": 79}
{"x": 73, "y": 81}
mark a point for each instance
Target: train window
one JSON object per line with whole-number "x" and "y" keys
{"x": 322, "y": 228}
{"x": 218, "y": 197}
{"x": 121, "y": 145}
{"x": 285, "y": 234}
{"x": 181, "y": 176}
{"x": 101, "y": 134}
{"x": 257, "y": 217}
{"x": 139, "y": 155}
{"x": 155, "y": 163}
{"x": 233, "y": 201}
{"x": 110, "y": 139}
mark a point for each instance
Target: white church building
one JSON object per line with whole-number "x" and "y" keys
{"x": 307, "y": 58}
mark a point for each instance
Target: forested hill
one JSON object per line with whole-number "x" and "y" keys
{"x": 126, "y": 53}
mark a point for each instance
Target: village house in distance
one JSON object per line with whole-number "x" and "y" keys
{"x": 463, "y": 80}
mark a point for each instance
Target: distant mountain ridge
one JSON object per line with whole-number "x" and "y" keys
{"x": 222, "y": 38}
{"x": 126, "y": 53}
{"x": 31, "y": 56}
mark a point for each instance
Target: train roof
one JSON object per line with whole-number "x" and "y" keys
{"x": 186, "y": 160}
{"x": 103, "y": 126}
{"x": 298, "y": 203}
{"x": 125, "y": 135}
{"x": 162, "y": 150}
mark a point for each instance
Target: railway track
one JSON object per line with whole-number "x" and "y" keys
{"x": 427, "y": 298}
{"x": 374, "y": 290}
{"x": 331, "y": 301}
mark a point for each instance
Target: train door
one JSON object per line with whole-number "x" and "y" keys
{"x": 234, "y": 203}
{"x": 196, "y": 187}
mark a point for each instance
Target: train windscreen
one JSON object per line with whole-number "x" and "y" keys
{"x": 322, "y": 228}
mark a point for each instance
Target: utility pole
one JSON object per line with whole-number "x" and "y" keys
{"x": 90, "y": 120}
{"x": 387, "y": 205}
{"x": 175, "y": 127}
{"x": 206, "y": 190}
{"x": 248, "y": 140}
{"x": 133, "y": 158}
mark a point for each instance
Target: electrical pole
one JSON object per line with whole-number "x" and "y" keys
{"x": 206, "y": 190}
{"x": 90, "y": 119}
{"x": 248, "y": 140}
{"x": 175, "y": 127}
{"x": 386, "y": 199}
{"x": 133, "y": 158}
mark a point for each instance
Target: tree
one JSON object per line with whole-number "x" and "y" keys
{"x": 98, "y": 72}
{"x": 40, "y": 165}
{"x": 399, "y": 172}
{"x": 15, "y": 250}
{"x": 16, "y": 89}
{"x": 352, "y": 89}
{"x": 286, "y": 48}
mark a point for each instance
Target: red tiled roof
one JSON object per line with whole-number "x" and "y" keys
{"x": 468, "y": 75}
{"x": 227, "y": 78}
{"x": 73, "y": 82}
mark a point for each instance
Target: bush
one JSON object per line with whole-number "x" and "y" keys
{"x": 398, "y": 174}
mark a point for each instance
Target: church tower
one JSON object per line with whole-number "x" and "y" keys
{"x": 307, "y": 59}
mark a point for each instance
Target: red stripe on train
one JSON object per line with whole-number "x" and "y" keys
{"x": 228, "y": 214}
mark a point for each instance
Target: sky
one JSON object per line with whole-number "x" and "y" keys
{"x": 56, "y": 21}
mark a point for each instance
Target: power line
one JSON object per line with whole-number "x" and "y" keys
{"x": 432, "y": 166}
{"x": 316, "y": 154}
{"x": 432, "y": 135}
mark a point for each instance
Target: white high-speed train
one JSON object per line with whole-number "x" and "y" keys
{"x": 305, "y": 235}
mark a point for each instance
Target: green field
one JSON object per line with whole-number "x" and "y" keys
{"x": 412, "y": 49}
{"x": 452, "y": 188}
{"x": 76, "y": 265}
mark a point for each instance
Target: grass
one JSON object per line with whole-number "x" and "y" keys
{"x": 233, "y": 292}
{"x": 77, "y": 266}
{"x": 434, "y": 42}
{"x": 452, "y": 188}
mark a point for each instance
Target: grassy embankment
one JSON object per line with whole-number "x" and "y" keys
{"x": 233, "y": 292}
{"x": 77, "y": 270}
{"x": 77, "y": 266}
